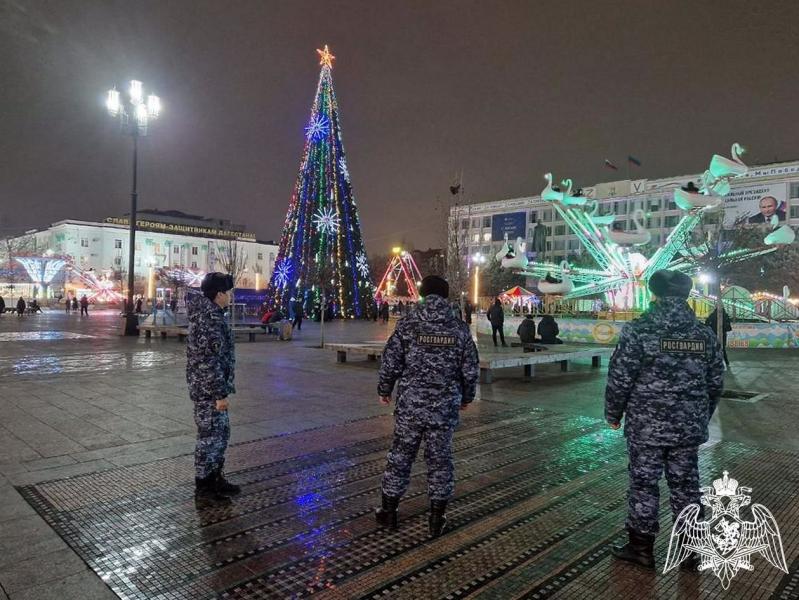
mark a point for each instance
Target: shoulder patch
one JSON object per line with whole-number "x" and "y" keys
{"x": 683, "y": 345}
{"x": 436, "y": 339}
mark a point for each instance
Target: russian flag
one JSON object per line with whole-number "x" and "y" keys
{"x": 610, "y": 165}
{"x": 634, "y": 160}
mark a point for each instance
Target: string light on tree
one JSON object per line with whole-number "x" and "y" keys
{"x": 322, "y": 219}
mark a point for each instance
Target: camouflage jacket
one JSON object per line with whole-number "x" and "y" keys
{"x": 433, "y": 359}
{"x": 665, "y": 377}
{"x": 210, "y": 356}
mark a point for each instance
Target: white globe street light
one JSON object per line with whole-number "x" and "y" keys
{"x": 134, "y": 117}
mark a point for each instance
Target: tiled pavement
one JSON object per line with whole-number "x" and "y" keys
{"x": 540, "y": 491}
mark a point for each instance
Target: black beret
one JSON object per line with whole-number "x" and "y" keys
{"x": 433, "y": 284}
{"x": 216, "y": 282}
{"x": 665, "y": 283}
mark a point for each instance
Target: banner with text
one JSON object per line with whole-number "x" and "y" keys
{"x": 513, "y": 224}
{"x": 756, "y": 203}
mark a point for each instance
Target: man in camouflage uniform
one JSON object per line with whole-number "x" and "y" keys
{"x": 665, "y": 379}
{"x": 210, "y": 363}
{"x": 433, "y": 359}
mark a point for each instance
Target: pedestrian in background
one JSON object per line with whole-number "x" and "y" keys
{"x": 496, "y": 316}
{"x": 432, "y": 360}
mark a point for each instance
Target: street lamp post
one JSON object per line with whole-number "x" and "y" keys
{"x": 134, "y": 116}
{"x": 478, "y": 259}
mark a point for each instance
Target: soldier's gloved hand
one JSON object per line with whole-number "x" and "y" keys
{"x": 385, "y": 400}
{"x": 221, "y": 404}
{"x": 614, "y": 424}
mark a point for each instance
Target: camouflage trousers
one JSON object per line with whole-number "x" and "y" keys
{"x": 408, "y": 434}
{"x": 213, "y": 433}
{"x": 645, "y": 468}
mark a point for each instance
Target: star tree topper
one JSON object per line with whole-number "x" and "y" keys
{"x": 325, "y": 57}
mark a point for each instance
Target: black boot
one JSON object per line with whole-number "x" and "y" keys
{"x": 205, "y": 490}
{"x": 388, "y": 514}
{"x": 691, "y": 564}
{"x": 437, "y": 520}
{"x": 639, "y": 550}
{"x": 224, "y": 487}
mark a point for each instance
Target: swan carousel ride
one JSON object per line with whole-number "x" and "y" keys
{"x": 639, "y": 237}
{"x": 551, "y": 286}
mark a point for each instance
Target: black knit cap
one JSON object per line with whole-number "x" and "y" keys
{"x": 433, "y": 284}
{"x": 214, "y": 283}
{"x": 665, "y": 284}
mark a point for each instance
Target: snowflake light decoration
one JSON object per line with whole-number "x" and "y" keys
{"x": 344, "y": 170}
{"x": 362, "y": 264}
{"x": 317, "y": 128}
{"x": 283, "y": 273}
{"x": 326, "y": 220}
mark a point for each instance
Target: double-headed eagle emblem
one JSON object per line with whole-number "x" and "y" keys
{"x": 725, "y": 542}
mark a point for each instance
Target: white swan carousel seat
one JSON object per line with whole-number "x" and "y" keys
{"x": 596, "y": 219}
{"x": 639, "y": 237}
{"x": 562, "y": 286}
{"x": 551, "y": 194}
{"x": 505, "y": 251}
{"x": 721, "y": 166}
{"x": 690, "y": 198}
{"x": 715, "y": 187}
{"x": 781, "y": 235}
{"x": 518, "y": 259}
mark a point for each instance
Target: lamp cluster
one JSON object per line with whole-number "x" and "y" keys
{"x": 133, "y": 110}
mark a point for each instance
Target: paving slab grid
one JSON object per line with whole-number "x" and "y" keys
{"x": 96, "y": 497}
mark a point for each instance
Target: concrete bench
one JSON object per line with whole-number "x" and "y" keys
{"x": 164, "y": 331}
{"x": 372, "y": 350}
{"x": 543, "y": 355}
{"x": 252, "y": 330}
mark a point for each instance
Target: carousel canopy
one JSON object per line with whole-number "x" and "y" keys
{"x": 517, "y": 292}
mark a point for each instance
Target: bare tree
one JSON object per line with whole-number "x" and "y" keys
{"x": 12, "y": 247}
{"x": 324, "y": 273}
{"x": 233, "y": 260}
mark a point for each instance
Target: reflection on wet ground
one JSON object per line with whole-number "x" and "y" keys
{"x": 540, "y": 497}
{"x": 34, "y": 336}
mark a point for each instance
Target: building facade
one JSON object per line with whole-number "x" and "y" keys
{"x": 164, "y": 240}
{"x": 480, "y": 228}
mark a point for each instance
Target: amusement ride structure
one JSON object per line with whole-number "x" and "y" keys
{"x": 622, "y": 273}
{"x": 403, "y": 268}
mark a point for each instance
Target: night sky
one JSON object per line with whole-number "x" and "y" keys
{"x": 503, "y": 90}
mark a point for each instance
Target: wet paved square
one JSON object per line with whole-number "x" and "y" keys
{"x": 539, "y": 495}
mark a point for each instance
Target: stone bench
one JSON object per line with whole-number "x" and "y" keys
{"x": 490, "y": 360}
{"x": 494, "y": 359}
{"x": 164, "y": 331}
{"x": 372, "y": 350}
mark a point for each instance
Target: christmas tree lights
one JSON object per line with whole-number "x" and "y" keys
{"x": 321, "y": 248}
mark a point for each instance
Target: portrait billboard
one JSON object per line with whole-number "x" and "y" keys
{"x": 514, "y": 224}
{"x": 756, "y": 203}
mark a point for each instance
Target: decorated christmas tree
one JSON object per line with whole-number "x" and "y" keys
{"x": 321, "y": 250}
